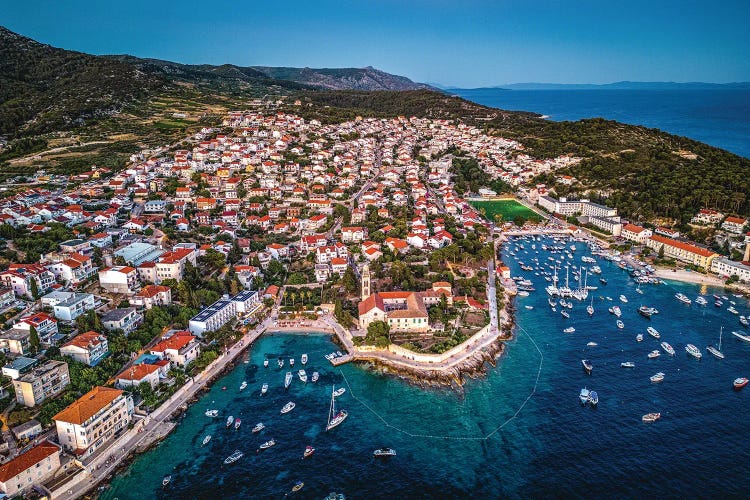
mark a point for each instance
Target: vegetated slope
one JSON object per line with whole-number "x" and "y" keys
{"x": 367, "y": 78}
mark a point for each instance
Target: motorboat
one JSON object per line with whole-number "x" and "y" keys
{"x": 654, "y": 354}
{"x": 335, "y": 419}
{"x": 243, "y": 385}
{"x": 587, "y": 366}
{"x": 288, "y": 407}
{"x": 744, "y": 321}
{"x": 718, "y": 303}
{"x": 583, "y": 396}
{"x": 741, "y": 336}
{"x": 303, "y": 359}
{"x": 529, "y": 308}
{"x": 230, "y": 421}
{"x": 667, "y": 348}
{"x": 338, "y": 392}
{"x": 740, "y": 382}
{"x": 263, "y": 389}
{"x": 646, "y": 311}
{"x": 650, "y": 417}
{"x": 281, "y": 363}
{"x": 258, "y": 427}
{"x": 593, "y": 398}
{"x": 623, "y": 299}
{"x": 616, "y": 311}
{"x": 297, "y": 486}
{"x": 683, "y": 298}
{"x": 602, "y": 281}
{"x": 657, "y": 377}
{"x": 233, "y": 457}
{"x": 627, "y": 364}
{"x": 268, "y": 444}
{"x": 565, "y": 314}
{"x": 265, "y": 363}
{"x": 590, "y": 310}
{"x": 291, "y": 361}
{"x": 212, "y": 413}
{"x": 569, "y": 329}
{"x": 166, "y": 480}
{"x": 592, "y": 344}
{"x": 384, "y": 452}
{"x": 639, "y": 337}
{"x": 302, "y": 374}
{"x": 701, "y": 300}
{"x": 309, "y": 450}
{"x": 206, "y": 440}
{"x": 620, "y": 324}
{"x": 287, "y": 380}
{"x": 315, "y": 376}
{"x": 693, "y": 351}
{"x": 653, "y": 332}
{"x": 732, "y": 310}
{"x": 237, "y": 423}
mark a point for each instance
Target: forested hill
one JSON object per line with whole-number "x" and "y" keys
{"x": 367, "y": 78}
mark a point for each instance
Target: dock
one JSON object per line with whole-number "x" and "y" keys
{"x": 340, "y": 360}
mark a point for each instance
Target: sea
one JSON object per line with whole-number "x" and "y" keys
{"x": 719, "y": 117}
{"x": 519, "y": 431}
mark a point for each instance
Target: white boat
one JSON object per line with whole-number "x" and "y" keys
{"x": 166, "y": 480}
{"x": 701, "y": 300}
{"x": 315, "y": 376}
{"x": 592, "y": 344}
{"x": 583, "y": 396}
{"x": 627, "y": 364}
{"x": 335, "y": 419}
{"x": 650, "y": 417}
{"x": 620, "y": 324}
{"x": 667, "y": 348}
{"x": 714, "y": 350}
{"x": 304, "y": 359}
{"x": 233, "y": 457}
{"x": 206, "y": 440}
{"x": 302, "y": 375}
{"x": 744, "y": 321}
{"x": 616, "y": 311}
{"x": 338, "y": 392}
{"x": 529, "y": 307}
{"x": 732, "y": 310}
{"x": 639, "y": 337}
{"x": 565, "y": 314}
{"x": 268, "y": 444}
{"x": 281, "y": 363}
{"x": 658, "y": 377}
{"x": 265, "y": 363}
{"x": 287, "y": 379}
{"x": 258, "y": 427}
{"x": 291, "y": 361}
{"x": 683, "y": 298}
{"x": 741, "y": 336}
{"x": 230, "y": 420}
{"x": 522, "y": 293}
{"x": 693, "y": 351}
{"x": 243, "y": 385}
{"x": 653, "y": 332}
{"x": 212, "y": 413}
{"x": 237, "y": 423}
{"x": 384, "y": 452}
{"x": 654, "y": 354}
{"x": 623, "y": 299}
{"x": 288, "y": 407}
{"x": 264, "y": 389}
{"x": 569, "y": 329}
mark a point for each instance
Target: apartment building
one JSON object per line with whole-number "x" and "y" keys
{"x": 41, "y": 383}
{"x": 89, "y": 348}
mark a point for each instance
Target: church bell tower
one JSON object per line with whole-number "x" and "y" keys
{"x": 366, "y": 287}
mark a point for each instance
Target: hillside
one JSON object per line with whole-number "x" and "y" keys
{"x": 367, "y": 78}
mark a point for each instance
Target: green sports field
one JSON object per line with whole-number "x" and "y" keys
{"x": 509, "y": 209}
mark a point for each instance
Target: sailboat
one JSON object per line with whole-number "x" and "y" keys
{"x": 590, "y": 308}
{"x": 334, "y": 419}
{"x": 713, "y": 350}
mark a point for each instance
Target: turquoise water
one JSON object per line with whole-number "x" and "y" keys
{"x": 451, "y": 444}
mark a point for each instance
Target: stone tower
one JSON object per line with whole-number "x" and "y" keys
{"x": 746, "y": 257}
{"x": 366, "y": 286}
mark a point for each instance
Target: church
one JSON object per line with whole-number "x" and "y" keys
{"x": 403, "y": 311}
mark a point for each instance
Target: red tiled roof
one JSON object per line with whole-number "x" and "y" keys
{"x": 88, "y": 405}
{"x": 27, "y": 460}
{"x": 703, "y": 252}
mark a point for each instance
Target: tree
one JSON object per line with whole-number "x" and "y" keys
{"x": 661, "y": 252}
{"x": 349, "y": 280}
{"x": 34, "y": 341}
{"x": 34, "y": 289}
{"x": 378, "y": 334}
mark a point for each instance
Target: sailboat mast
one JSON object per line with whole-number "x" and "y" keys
{"x": 721, "y": 330}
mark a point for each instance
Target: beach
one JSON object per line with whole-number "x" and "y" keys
{"x": 689, "y": 277}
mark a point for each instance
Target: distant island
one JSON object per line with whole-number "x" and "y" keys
{"x": 624, "y": 85}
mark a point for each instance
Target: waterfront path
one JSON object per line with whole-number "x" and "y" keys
{"x": 154, "y": 427}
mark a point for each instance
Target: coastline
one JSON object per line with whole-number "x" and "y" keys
{"x": 693, "y": 277}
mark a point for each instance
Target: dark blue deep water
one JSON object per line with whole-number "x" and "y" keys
{"x": 553, "y": 446}
{"x": 717, "y": 117}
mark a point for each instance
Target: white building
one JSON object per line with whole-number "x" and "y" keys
{"x": 119, "y": 279}
{"x": 725, "y": 267}
{"x": 68, "y": 306}
{"x": 213, "y": 317}
{"x": 88, "y": 348}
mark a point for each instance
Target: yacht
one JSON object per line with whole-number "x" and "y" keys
{"x": 623, "y": 299}
{"x": 309, "y": 450}
{"x": 639, "y": 337}
{"x": 627, "y": 364}
{"x": 268, "y": 444}
{"x": 683, "y": 298}
{"x": 230, "y": 421}
{"x": 654, "y": 354}
{"x": 646, "y": 311}
{"x": 593, "y": 398}
{"x": 741, "y": 336}
{"x": 233, "y": 457}
{"x": 212, "y": 413}
{"x": 287, "y": 380}
{"x": 653, "y": 332}
{"x": 206, "y": 440}
{"x": 716, "y": 351}
{"x": 620, "y": 324}
{"x": 315, "y": 376}
{"x": 587, "y": 366}
{"x": 302, "y": 375}
{"x": 667, "y": 348}
{"x": 258, "y": 427}
{"x": 569, "y": 329}
{"x": 304, "y": 359}
{"x": 693, "y": 351}
{"x": 616, "y": 311}
{"x": 264, "y": 389}
{"x": 650, "y": 417}
{"x": 243, "y": 385}
{"x": 739, "y": 383}
{"x": 583, "y": 396}
{"x": 384, "y": 452}
{"x": 657, "y": 377}
{"x": 288, "y": 407}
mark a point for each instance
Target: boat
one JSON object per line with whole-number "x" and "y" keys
{"x": 657, "y": 377}
{"x": 335, "y": 419}
{"x": 639, "y": 337}
{"x": 212, "y": 413}
{"x": 569, "y": 329}
{"x": 338, "y": 392}
{"x": 230, "y": 420}
{"x": 740, "y": 382}
{"x": 616, "y": 311}
{"x": 237, "y": 423}
{"x": 590, "y": 309}
{"x": 166, "y": 480}
{"x": 315, "y": 376}
{"x": 602, "y": 281}
{"x": 265, "y": 363}
{"x": 304, "y": 359}
{"x": 308, "y": 451}
{"x": 623, "y": 299}
{"x": 264, "y": 389}
{"x": 650, "y": 417}
{"x": 744, "y": 321}
{"x": 206, "y": 440}
{"x": 291, "y": 361}
{"x": 667, "y": 348}
{"x": 288, "y": 407}
{"x": 233, "y": 457}
{"x": 714, "y": 350}
{"x": 267, "y": 444}
{"x": 297, "y": 486}
{"x": 646, "y": 311}
{"x": 741, "y": 336}
{"x": 302, "y": 375}
{"x": 593, "y": 398}
{"x": 693, "y": 351}
{"x": 587, "y": 366}
{"x": 701, "y": 300}
{"x": 529, "y": 308}
{"x": 654, "y": 354}
{"x": 620, "y": 324}
{"x": 258, "y": 427}
{"x": 683, "y": 298}
{"x": 732, "y": 310}
{"x": 281, "y": 363}
{"x": 718, "y": 303}
{"x": 592, "y": 344}
{"x": 653, "y": 332}
{"x": 627, "y": 364}
{"x": 243, "y": 385}
{"x": 583, "y": 396}
{"x": 287, "y": 380}
{"x": 565, "y": 314}
{"x": 384, "y": 452}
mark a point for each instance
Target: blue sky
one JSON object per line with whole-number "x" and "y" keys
{"x": 465, "y": 43}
